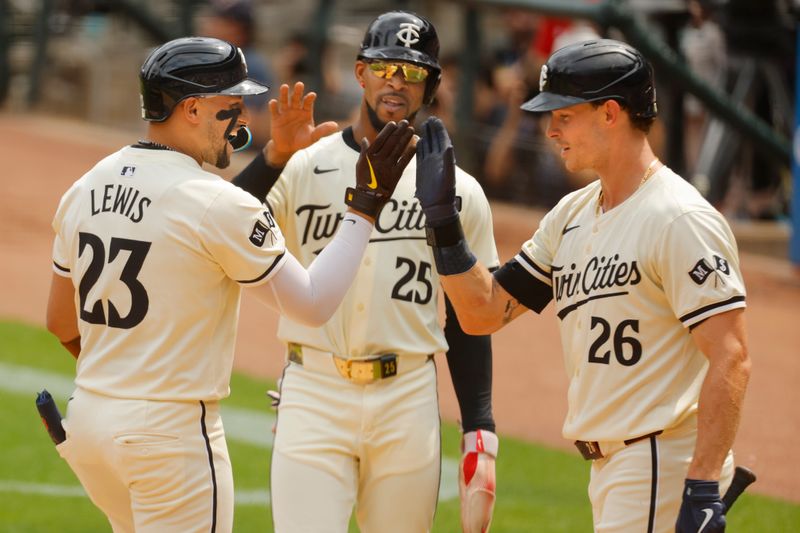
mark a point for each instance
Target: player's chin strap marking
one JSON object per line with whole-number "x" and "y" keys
{"x": 373, "y": 183}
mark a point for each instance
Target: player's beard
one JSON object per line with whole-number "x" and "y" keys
{"x": 375, "y": 121}
{"x": 223, "y": 159}
{"x": 217, "y": 154}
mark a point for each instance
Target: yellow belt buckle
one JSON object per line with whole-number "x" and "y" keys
{"x": 366, "y": 372}
{"x": 295, "y": 353}
{"x": 362, "y": 372}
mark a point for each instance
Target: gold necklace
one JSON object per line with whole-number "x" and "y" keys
{"x": 651, "y": 169}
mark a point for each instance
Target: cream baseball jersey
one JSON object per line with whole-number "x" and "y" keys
{"x": 392, "y": 305}
{"x": 157, "y": 249}
{"x": 628, "y": 285}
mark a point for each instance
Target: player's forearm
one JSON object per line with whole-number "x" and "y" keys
{"x": 719, "y": 411}
{"x": 469, "y": 358}
{"x": 476, "y": 297}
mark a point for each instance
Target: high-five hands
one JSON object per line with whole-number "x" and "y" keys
{"x": 292, "y": 124}
{"x": 436, "y": 174}
{"x": 379, "y": 168}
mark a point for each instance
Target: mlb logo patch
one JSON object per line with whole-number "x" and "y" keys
{"x": 259, "y": 233}
{"x": 701, "y": 271}
{"x": 127, "y": 170}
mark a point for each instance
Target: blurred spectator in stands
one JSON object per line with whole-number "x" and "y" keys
{"x": 703, "y": 45}
{"x": 520, "y": 163}
{"x": 234, "y": 21}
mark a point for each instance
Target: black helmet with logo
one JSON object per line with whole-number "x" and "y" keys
{"x": 192, "y": 66}
{"x": 405, "y": 36}
{"x": 589, "y": 71}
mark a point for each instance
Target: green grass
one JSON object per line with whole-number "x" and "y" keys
{"x": 539, "y": 489}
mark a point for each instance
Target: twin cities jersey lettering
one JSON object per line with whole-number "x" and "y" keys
{"x": 158, "y": 276}
{"x": 392, "y": 305}
{"x": 628, "y": 285}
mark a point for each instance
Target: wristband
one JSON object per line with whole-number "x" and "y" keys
{"x": 455, "y": 259}
{"x": 447, "y": 234}
{"x": 365, "y": 202}
{"x": 481, "y": 440}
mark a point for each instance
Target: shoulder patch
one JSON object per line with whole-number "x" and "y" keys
{"x": 722, "y": 265}
{"x": 700, "y": 271}
{"x": 259, "y": 233}
{"x": 263, "y": 228}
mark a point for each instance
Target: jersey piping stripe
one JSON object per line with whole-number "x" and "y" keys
{"x": 59, "y": 267}
{"x": 211, "y": 465}
{"x": 534, "y": 269}
{"x": 651, "y": 521}
{"x": 265, "y": 274}
{"x": 706, "y": 311}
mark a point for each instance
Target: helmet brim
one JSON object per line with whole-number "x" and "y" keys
{"x": 544, "y": 102}
{"x": 400, "y": 53}
{"x": 244, "y": 88}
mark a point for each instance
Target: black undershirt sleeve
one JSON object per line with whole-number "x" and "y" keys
{"x": 258, "y": 177}
{"x": 528, "y": 290}
{"x": 470, "y": 361}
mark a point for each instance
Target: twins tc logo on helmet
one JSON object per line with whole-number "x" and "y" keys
{"x": 408, "y": 33}
{"x": 543, "y": 78}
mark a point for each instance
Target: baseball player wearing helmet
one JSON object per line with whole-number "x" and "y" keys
{"x": 645, "y": 278}
{"x": 150, "y": 255}
{"x": 358, "y": 420}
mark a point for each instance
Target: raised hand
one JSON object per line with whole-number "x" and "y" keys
{"x": 436, "y": 175}
{"x": 379, "y": 168}
{"x": 292, "y": 124}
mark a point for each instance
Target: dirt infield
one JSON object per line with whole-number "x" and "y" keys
{"x": 42, "y": 157}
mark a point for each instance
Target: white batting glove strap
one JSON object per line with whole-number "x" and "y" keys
{"x": 481, "y": 441}
{"x": 476, "y": 480}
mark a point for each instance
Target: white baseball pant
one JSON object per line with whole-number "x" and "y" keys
{"x": 151, "y": 466}
{"x": 338, "y": 444}
{"x": 639, "y": 487}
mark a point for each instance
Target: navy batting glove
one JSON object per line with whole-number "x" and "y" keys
{"x": 436, "y": 174}
{"x": 702, "y": 510}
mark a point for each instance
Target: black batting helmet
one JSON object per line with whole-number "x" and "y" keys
{"x": 595, "y": 70}
{"x": 192, "y": 66}
{"x": 405, "y": 36}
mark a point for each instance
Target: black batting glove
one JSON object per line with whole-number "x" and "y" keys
{"x": 436, "y": 174}
{"x": 702, "y": 509}
{"x": 379, "y": 168}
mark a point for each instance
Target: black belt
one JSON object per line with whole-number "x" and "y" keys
{"x": 591, "y": 449}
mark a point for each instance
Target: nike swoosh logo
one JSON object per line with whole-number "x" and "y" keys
{"x": 318, "y": 170}
{"x": 373, "y": 184}
{"x": 709, "y": 513}
{"x": 351, "y": 221}
{"x": 567, "y": 230}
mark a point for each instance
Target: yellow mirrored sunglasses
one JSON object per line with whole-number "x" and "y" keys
{"x": 411, "y": 73}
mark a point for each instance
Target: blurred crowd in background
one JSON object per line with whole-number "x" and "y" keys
{"x": 94, "y": 49}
